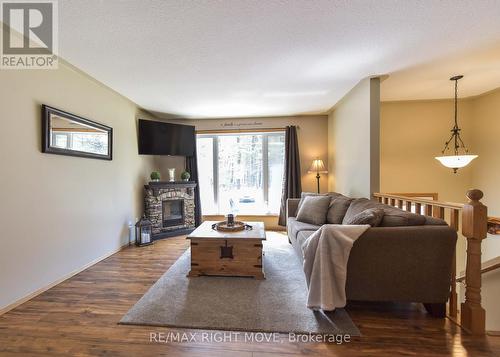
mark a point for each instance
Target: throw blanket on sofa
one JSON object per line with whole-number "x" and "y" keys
{"x": 326, "y": 253}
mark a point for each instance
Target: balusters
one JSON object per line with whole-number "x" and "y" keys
{"x": 454, "y": 218}
{"x": 438, "y": 212}
{"x": 428, "y": 210}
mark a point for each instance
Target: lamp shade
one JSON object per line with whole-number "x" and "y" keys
{"x": 456, "y": 161}
{"x": 318, "y": 166}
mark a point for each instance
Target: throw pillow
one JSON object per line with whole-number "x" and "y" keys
{"x": 305, "y": 194}
{"x": 358, "y": 205}
{"x": 338, "y": 208}
{"x": 371, "y": 216}
{"x": 313, "y": 209}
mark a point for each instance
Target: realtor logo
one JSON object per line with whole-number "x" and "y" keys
{"x": 29, "y": 34}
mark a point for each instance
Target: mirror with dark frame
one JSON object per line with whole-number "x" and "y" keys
{"x": 68, "y": 134}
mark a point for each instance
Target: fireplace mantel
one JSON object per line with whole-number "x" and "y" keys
{"x": 170, "y": 184}
{"x": 158, "y": 185}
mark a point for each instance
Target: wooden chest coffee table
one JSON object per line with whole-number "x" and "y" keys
{"x": 227, "y": 253}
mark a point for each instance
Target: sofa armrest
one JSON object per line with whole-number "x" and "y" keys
{"x": 410, "y": 263}
{"x": 291, "y": 207}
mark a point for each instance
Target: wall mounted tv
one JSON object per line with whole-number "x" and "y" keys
{"x": 158, "y": 138}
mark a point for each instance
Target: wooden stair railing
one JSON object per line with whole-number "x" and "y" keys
{"x": 426, "y": 195}
{"x": 487, "y": 266}
{"x": 474, "y": 219}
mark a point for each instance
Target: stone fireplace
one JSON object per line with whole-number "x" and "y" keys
{"x": 170, "y": 207}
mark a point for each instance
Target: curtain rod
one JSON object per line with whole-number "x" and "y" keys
{"x": 229, "y": 131}
{"x": 253, "y": 130}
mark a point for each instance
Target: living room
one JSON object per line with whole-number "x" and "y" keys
{"x": 250, "y": 149}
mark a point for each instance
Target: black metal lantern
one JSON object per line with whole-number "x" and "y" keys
{"x": 143, "y": 232}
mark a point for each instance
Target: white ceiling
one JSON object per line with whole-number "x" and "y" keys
{"x": 234, "y": 58}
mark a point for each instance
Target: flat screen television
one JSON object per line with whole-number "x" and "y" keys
{"x": 158, "y": 138}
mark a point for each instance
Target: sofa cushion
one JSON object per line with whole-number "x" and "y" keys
{"x": 313, "y": 209}
{"x": 301, "y": 238}
{"x": 371, "y": 216}
{"x": 303, "y": 235}
{"x": 357, "y": 206}
{"x": 395, "y": 217}
{"x": 294, "y": 227}
{"x": 432, "y": 221}
{"x": 338, "y": 208}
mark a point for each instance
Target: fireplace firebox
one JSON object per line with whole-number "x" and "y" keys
{"x": 172, "y": 213}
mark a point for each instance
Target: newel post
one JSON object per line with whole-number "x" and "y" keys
{"x": 474, "y": 228}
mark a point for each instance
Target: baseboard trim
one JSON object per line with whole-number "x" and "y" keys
{"x": 58, "y": 281}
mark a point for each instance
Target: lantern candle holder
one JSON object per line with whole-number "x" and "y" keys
{"x": 143, "y": 232}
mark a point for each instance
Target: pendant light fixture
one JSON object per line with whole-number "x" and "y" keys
{"x": 460, "y": 156}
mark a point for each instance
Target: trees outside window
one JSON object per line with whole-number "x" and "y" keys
{"x": 241, "y": 173}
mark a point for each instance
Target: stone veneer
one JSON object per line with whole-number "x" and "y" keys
{"x": 157, "y": 192}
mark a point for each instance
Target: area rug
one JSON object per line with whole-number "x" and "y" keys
{"x": 276, "y": 304}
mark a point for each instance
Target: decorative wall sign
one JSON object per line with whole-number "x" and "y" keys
{"x": 240, "y": 124}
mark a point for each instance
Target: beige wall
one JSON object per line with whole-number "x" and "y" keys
{"x": 485, "y": 169}
{"x": 60, "y": 213}
{"x": 163, "y": 163}
{"x": 411, "y": 135}
{"x": 353, "y": 141}
{"x": 486, "y": 176}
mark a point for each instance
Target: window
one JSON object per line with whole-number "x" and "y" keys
{"x": 241, "y": 173}
{"x": 87, "y": 141}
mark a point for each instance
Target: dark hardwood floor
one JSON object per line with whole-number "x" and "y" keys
{"x": 79, "y": 318}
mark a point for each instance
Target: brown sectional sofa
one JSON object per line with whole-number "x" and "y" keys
{"x": 407, "y": 258}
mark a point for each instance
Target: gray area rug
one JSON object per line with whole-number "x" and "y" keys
{"x": 276, "y": 304}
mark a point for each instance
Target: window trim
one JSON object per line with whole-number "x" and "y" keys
{"x": 214, "y": 135}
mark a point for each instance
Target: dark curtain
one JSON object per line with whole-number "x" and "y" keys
{"x": 192, "y": 168}
{"x": 292, "y": 187}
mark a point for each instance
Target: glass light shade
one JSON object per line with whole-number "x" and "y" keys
{"x": 318, "y": 166}
{"x": 456, "y": 161}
